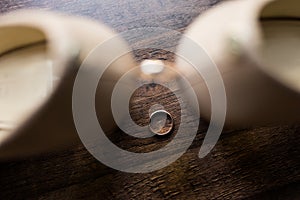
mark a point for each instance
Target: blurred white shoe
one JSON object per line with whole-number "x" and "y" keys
{"x": 40, "y": 54}
{"x": 256, "y": 46}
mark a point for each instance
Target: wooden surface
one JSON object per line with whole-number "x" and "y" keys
{"x": 260, "y": 163}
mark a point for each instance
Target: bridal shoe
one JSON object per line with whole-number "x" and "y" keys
{"x": 40, "y": 54}
{"x": 255, "y": 45}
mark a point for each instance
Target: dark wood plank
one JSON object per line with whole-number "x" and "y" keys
{"x": 261, "y": 163}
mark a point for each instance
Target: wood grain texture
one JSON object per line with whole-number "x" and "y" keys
{"x": 260, "y": 163}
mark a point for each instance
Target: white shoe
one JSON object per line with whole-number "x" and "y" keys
{"x": 40, "y": 54}
{"x": 256, "y": 46}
